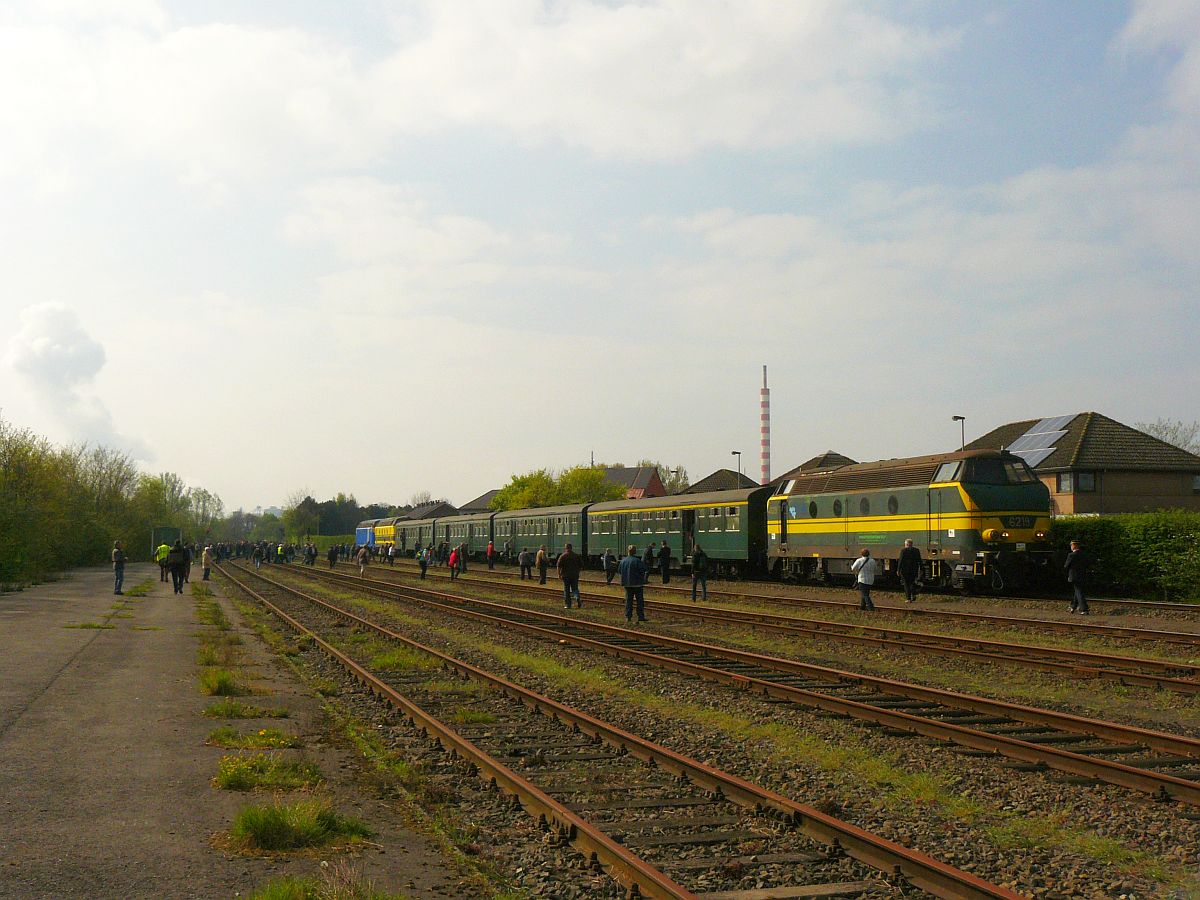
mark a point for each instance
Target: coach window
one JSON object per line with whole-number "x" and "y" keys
{"x": 732, "y": 518}
{"x": 812, "y": 509}
{"x": 864, "y": 506}
{"x": 893, "y": 505}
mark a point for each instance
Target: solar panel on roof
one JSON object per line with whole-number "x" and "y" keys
{"x": 1036, "y": 441}
{"x": 1033, "y": 457}
{"x": 1054, "y": 423}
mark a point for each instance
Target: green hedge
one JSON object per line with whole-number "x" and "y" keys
{"x": 325, "y": 541}
{"x": 1154, "y": 555}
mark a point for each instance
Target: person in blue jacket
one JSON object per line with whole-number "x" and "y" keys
{"x": 633, "y": 578}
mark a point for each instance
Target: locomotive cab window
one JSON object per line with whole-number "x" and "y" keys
{"x": 837, "y": 507}
{"x": 947, "y": 471}
{"x": 812, "y": 509}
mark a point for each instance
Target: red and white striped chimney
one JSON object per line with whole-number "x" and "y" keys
{"x": 764, "y": 429}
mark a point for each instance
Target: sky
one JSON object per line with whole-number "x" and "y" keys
{"x": 389, "y": 247}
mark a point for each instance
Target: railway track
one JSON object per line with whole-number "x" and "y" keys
{"x": 657, "y": 827}
{"x": 1077, "y": 625}
{"x": 1154, "y": 762}
{"x": 1171, "y": 675}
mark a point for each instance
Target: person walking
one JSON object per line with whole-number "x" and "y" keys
{"x": 648, "y": 558}
{"x": 491, "y": 555}
{"x": 908, "y": 567}
{"x": 118, "y": 561}
{"x": 364, "y": 557}
{"x": 206, "y": 561}
{"x": 422, "y": 561}
{"x": 524, "y": 562}
{"x": 462, "y": 557}
{"x": 570, "y": 564}
{"x": 1076, "y": 567}
{"x": 864, "y": 571}
{"x": 664, "y": 562}
{"x": 699, "y": 572}
{"x": 633, "y": 578}
{"x": 543, "y": 563}
{"x": 177, "y": 562}
{"x": 160, "y": 557}
{"x": 609, "y": 561}
{"x": 392, "y": 555}
{"x": 257, "y": 556}
{"x": 454, "y": 557}
{"x": 332, "y": 556}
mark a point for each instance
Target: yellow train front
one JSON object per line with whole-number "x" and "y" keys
{"x": 980, "y": 518}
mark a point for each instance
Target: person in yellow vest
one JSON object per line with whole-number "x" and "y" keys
{"x": 160, "y": 556}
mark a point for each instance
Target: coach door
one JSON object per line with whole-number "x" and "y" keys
{"x": 622, "y": 521}
{"x": 688, "y": 527}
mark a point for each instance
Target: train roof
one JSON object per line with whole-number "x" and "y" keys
{"x": 543, "y": 511}
{"x": 882, "y": 473}
{"x": 710, "y": 498}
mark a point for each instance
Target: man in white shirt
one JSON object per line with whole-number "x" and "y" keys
{"x": 864, "y": 571}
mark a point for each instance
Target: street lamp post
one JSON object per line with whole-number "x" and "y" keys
{"x": 738, "y": 454}
{"x": 962, "y": 428}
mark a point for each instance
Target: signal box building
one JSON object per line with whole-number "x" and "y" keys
{"x": 1095, "y": 465}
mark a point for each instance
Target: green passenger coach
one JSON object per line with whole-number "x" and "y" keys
{"x": 728, "y": 525}
{"x": 979, "y": 518}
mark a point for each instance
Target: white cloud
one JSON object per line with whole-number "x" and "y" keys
{"x": 59, "y": 361}
{"x": 88, "y": 82}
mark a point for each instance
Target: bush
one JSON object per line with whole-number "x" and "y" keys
{"x": 1152, "y": 554}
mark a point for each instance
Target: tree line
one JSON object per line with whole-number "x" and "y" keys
{"x": 65, "y": 506}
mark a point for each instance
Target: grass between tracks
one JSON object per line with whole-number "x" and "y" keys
{"x": 899, "y": 789}
{"x": 426, "y": 803}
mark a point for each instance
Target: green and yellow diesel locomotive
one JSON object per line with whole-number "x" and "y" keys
{"x": 979, "y": 517}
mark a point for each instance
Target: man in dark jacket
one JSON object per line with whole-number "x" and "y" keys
{"x": 699, "y": 572}
{"x": 525, "y": 563}
{"x": 633, "y": 579}
{"x": 177, "y": 563}
{"x": 908, "y": 567}
{"x": 570, "y": 564}
{"x": 610, "y": 565}
{"x": 1076, "y": 567}
{"x": 664, "y": 562}
{"x": 648, "y": 558}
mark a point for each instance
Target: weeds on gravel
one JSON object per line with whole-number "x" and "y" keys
{"x": 294, "y": 826}
{"x": 141, "y": 589}
{"x": 265, "y": 771}
{"x": 403, "y": 659}
{"x": 338, "y": 880}
{"x": 898, "y": 788}
{"x": 99, "y": 625}
{"x": 263, "y": 739}
{"x": 472, "y": 717}
{"x": 221, "y": 683}
{"x": 236, "y": 709}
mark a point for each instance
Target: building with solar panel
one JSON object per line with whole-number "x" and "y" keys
{"x": 1095, "y": 465}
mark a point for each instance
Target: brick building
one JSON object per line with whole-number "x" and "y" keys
{"x": 1094, "y": 464}
{"x": 638, "y": 481}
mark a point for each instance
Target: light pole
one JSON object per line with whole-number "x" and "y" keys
{"x": 962, "y": 428}
{"x": 738, "y": 454}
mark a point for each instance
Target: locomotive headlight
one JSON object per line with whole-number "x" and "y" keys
{"x": 1039, "y": 534}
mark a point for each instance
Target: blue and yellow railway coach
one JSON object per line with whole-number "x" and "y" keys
{"x": 979, "y": 517}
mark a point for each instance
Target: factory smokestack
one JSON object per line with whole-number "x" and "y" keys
{"x": 764, "y": 429}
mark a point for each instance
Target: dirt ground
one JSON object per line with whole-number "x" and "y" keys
{"x": 107, "y": 776}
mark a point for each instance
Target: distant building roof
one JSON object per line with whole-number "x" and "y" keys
{"x": 638, "y": 481}
{"x": 721, "y": 480}
{"x": 435, "y": 510}
{"x": 825, "y": 461}
{"x": 480, "y": 503}
{"x": 1093, "y": 441}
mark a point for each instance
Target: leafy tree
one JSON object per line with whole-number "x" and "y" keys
{"x": 541, "y": 487}
{"x": 1185, "y": 435}
{"x": 301, "y": 517}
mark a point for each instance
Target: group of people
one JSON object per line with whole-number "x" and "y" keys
{"x": 174, "y": 560}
